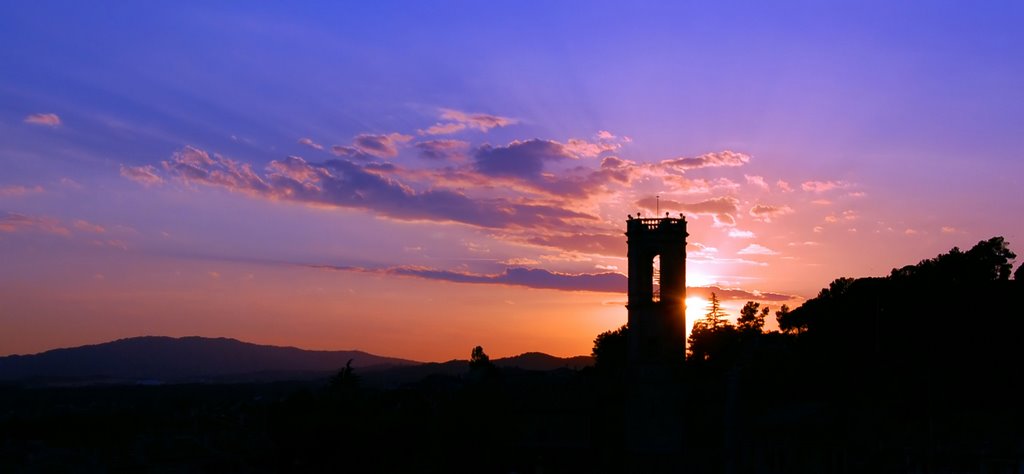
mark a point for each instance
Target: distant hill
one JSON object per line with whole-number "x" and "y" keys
{"x": 532, "y": 361}
{"x": 154, "y": 359}
{"x": 542, "y": 361}
{"x": 186, "y": 359}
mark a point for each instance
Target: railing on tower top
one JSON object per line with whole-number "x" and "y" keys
{"x": 654, "y": 222}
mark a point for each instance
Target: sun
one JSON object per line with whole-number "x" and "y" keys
{"x": 695, "y": 309}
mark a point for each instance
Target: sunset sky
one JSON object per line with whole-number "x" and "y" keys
{"x": 416, "y": 178}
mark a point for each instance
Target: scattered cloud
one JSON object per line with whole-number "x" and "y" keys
{"x": 766, "y": 213}
{"x": 757, "y": 181}
{"x": 310, "y": 143}
{"x": 519, "y": 159}
{"x": 146, "y": 175}
{"x": 606, "y": 282}
{"x": 70, "y": 183}
{"x": 949, "y": 230}
{"x": 86, "y": 226}
{"x": 12, "y": 222}
{"x": 586, "y": 149}
{"x": 519, "y": 262}
{"x": 16, "y": 190}
{"x": 443, "y": 150}
{"x": 736, "y": 294}
{"x": 822, "y": 186}
{"x": 456, "y": 121}
{"x": 347, "y": 184}
{"x": 755, "y": 249}
{"x": 48, "y": 120}
{"x": 723, "y": 209}
{"x": 784, "y": 186}
{"x": 740, "y": 234}
{"x": 381, "y": 146}
{"x": 707, "y": 160}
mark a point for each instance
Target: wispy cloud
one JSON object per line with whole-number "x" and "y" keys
{"x": 723, "y": 209}
{"x": 707, "y": 160}
{"x": 740, "y": 234}
{"x": 310, "y": 143}
{"x": 605, "y": 282}
{"x": 443, "y": 150}
{"x": 348, "y": 184}
{"x": 13, "y": 222}
{"x": 766, "y": 213}
{"x": 381, "y": 146}
{"x": 147, "y": 175}
{"x": 15, "y": 190}
{"x": 519, "y": 159}
{"x": 757, "y": 181}
{"x": 456, "y": 121}
{"x": 610, "y": 282}
{"x": 86, "y": 226}
{"x": 822, "y": 186}
{"x": 756, "y": 249}
{"x": 48, "y": 120}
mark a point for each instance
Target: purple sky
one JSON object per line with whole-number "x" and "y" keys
{"x": 414, "y": 179}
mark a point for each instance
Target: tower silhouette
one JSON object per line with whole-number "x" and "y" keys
{"x": 657, "y": 290}
{"x": 657, "y": 342}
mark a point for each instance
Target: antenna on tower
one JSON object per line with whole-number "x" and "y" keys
{"x": 657, "y": 205}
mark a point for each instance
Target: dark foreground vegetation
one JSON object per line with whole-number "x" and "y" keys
{"x": 919, "y": 371}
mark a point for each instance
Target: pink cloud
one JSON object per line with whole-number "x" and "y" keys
{"x": 585, "y": 149}
{"x": 15, "y": 190}
{"x": 740, "y": 234}
{"x": 755, "y": 249}
{"x": 766, "y": 213}
{"x": 147, "y": 175}
{"x": 822, "y": 186}
{"x": 48, "y": 120}
{"x": 310, "y": 143}
{"x": 347, "y": 184}
{"x": 86, "y": 226}
{"x": 13, "y": 222}
{"x": 443, "y": 150}
{"x": 457, "y": 121}
{"x": 723, "y": 209}
{"x": 381, "y": 146}
{"x": 757, "y": 181}
{"x": 708, "y": 160}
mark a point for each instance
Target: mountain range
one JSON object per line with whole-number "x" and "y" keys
{"x": 156, "y": 359}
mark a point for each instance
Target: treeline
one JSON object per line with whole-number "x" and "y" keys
{"x": 919, "y": 370}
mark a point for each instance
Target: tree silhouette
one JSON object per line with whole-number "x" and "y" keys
{"x": 610, "y": 349}
{"x": 478, "y": 360}
{"x": 782, "y": 317}
{"x": 713, "y": 338}
{"x": 345, "y": 383}
{"x": 1018, "y": 275}
{"x": 752, "y": 317}
{"x": 715, "y": 317}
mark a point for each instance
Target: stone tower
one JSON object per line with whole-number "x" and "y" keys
{"x": 657, "y": 343}
{"x": 657, "y": 316}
